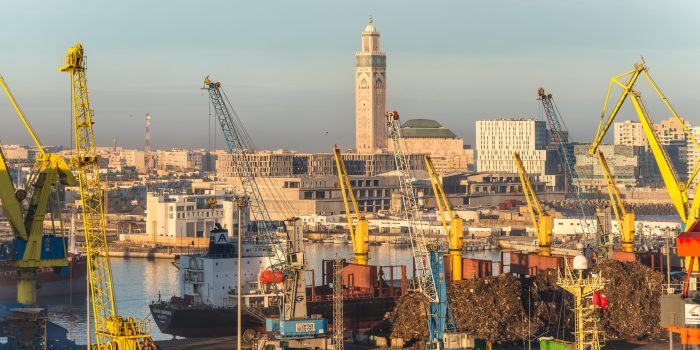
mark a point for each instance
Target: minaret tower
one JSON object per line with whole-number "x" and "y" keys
{"x": 370, "y": 93}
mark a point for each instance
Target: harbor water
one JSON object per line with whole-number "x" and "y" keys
{"x": 138, "y": 281}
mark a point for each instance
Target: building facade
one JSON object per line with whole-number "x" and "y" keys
{"x": 630, "y": 165}
{"x": 497, "y": 140}
{"x": 189, "y": 215}
{"x": 629, "y": 133}
{"x": 370, "y": 93}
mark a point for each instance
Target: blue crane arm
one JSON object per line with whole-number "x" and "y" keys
{"x": 236, "y": 147}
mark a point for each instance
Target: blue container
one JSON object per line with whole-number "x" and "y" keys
{"x": 297, "y": 329}
{"x": 52, "y": 247}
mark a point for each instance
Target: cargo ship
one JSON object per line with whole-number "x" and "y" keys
{"x": 207, "y": 304}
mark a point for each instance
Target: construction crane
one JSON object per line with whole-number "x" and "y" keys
{"x": 454, "y": 230}
{"x": 32, "y": 248}
{"x": 112, "y": 331}
{"x": 541, "y": 221}
{"x": 429, "y": 264}
{"x": 359, "y": 232}
{"x": 625, "y": 219}
{"x": 293, "y": 327}
{"x": 687, "y": 242}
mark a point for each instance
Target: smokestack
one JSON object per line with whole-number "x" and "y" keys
{"x": 147, "y": 149}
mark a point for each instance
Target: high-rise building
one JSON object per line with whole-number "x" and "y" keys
{"x": 496, "y": 140}
{"x": 370, "y": 93}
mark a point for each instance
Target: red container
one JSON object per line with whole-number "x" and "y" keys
{"x": 472, "y": 268}
{"x": 359, "y": 276}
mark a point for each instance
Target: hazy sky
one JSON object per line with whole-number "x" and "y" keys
{"x": 288, "y": 65}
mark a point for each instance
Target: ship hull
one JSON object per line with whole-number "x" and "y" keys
{"x": 200, "y": 321}
{"x": 210, "y": 322}
{"x": 51, "y": 281}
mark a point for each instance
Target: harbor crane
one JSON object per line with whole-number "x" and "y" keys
{"x": 625, "y": 219}
{"x": 32, "y": 248}
{"x": 454, "y": 230}
{"x": 359, "y": 232}
{"x": 688, "y": 242}
{"x": 429, "y": 263}
{"x": 293, "y": 328}
{"x": 541, "y": 220}
{"x": 112, "y": 331}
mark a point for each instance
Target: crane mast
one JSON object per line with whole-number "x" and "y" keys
{"x": 542, "y": 222}
{"x": 360, "y": 231}
{"x": 428, "y": 258}
{"x": 111, "y": 330}
{"x": 625, "y": 219}
{"x": 455, "y": 229}
{"x": 421, "y": 256}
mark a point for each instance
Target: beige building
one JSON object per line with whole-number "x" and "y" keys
{"x": 304, "y": 195}
{"x": 629, "y": 133}
{"x": 179, "y": 159}
{"x": 370, "y": 93}
{"x": 447, "y": 151}
{"x": 630, "y": 165}
{"x": 283, "y": 163}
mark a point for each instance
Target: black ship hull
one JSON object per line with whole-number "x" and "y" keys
{"x": 194, "y": 321}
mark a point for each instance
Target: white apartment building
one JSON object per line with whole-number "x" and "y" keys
{"x": 183, "y": 215}
{"x": 629, "y": 133}
{"x": 496, "y": 140}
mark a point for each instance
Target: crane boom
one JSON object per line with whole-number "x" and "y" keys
{"x": 360, "y": 232}
{"x": 111, "y": 330}
{"x": 625, "y": 219}
{"x": 235, "y": 145}
{"x": 454, "y": 230}
{"x": 677, "y": 190}
{"x": 421, "y": 255}
{"x": 541, "y": 221}
{"x": 27, "y": 222}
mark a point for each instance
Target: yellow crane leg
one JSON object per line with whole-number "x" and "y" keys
{"x": 628, "y": 233}
{"x": 455, "y": 247}
{"x": 26, "y": 286}
{"x": 546, "y": 225}
{"x": 360, "y": 243}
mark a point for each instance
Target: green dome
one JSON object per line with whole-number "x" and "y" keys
{"x": 425, "y": 128}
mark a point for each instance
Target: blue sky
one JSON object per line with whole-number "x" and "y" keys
{"x": 288, "y": 65}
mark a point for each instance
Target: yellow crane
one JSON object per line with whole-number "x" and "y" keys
{"x": 27, "y": 222}
{"x": 677, "y": 190}
{"x": 625, "y": 219}
{"x": 687, "y": 242}
{"x": 454, "y": 230}
{"x": 360, "y": 232}
{"x": 541, "y": 221}
{"x": 112, "y": 331}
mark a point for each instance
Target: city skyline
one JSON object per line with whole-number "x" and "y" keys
{"x": 289, "y": 71}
